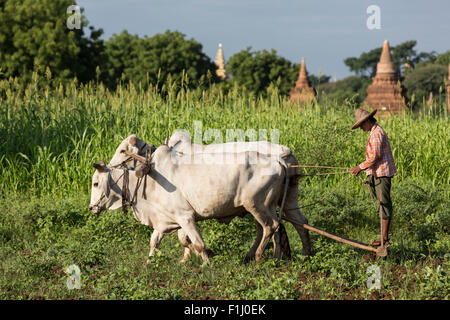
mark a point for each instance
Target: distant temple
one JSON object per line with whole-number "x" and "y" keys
{"x": 386, "y": 93}
{"x": 430, "y": 98}
{"x": 303, "y": 92}
{"x": 220, "y": 62}
{"x": 407, "y": 64}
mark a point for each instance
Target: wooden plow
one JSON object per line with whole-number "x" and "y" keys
{"x": 381, "y": 251}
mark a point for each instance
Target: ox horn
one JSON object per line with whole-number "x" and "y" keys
{"x": 132, "y": 140}
{"x": 99, "y": 166}
{"x": 167, "y": 138}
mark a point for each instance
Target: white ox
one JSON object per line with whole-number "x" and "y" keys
{"x": 180, "y": 191}
{"x": 180, "y": 143}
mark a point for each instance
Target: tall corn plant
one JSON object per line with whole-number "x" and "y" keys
{"x": 50, "y": 137}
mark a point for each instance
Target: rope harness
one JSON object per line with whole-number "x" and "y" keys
{"x": 103, "y": 193}
{"x": 126, "y": 201}
{"x": 320, "y": 174}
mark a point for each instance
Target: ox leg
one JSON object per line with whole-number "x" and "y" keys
{"x": 276, "y": 249}
{"x": 292, "y": 211}
{"x": 188, "y": 248}
{"x": 298, "y": 216}
{"x": 198, "y": 245}
{"x": 155, "y": 240}
{"x": 251, "y": 254}
{"x": 269, "y": 225}
{"x": 186, "y": 243}
{"x": 276, "y": 244}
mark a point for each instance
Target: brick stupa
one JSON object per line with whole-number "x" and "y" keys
{"x": 302, "y": 92}
{"x": 220, "y": 63}
{"x": 385, "y": 93}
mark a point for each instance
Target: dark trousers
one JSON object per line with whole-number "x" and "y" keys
{"x": 380, "y": 188}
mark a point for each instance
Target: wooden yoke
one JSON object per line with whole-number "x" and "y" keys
{"x": 134, "y": 156}
{"x": 141, "y": 170}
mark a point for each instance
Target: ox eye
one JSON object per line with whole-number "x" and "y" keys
{"x": 96, "y": 184}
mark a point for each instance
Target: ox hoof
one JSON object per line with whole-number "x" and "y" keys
{"x": 148, "y": 262}
{"x": 209, "y": 252}
{"x": 247, "y": 259}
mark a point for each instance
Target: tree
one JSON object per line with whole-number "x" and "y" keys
{"x": 366, "y": 63}
{"x": 256, "y": 70}
{"x": 350, "y": 88}
{"x": 120, "y": 52}
{"x": 90, "y": 56}
{"x": 424, "y": 79}
{"x": 154, "y": 58}
{"x": 443, "y": 59}
{"x": 318, "y": 80}
{"x": 34, "y": 36}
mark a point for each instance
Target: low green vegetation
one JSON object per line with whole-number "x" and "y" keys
{"x": 50, "y": 137}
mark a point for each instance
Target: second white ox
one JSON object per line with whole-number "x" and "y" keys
{"x": 176, "y": 193}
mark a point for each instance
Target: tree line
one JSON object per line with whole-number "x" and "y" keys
{"x": 34, "y": 37}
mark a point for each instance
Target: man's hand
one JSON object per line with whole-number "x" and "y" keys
{"x": 355, "y": 170}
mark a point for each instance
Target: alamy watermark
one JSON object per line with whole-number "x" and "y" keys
{"x": 374, "y": 277}
{"x": 227, "y": 148}
{"x": 374, "y": 19}
{"x": 74, "y": 20}
{"x": 74, "y": 277}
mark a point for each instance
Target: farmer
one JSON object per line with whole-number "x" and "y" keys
{"x": 379, "y": 167}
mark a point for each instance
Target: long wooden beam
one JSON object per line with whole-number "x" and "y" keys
{"x": 352, "y": 243}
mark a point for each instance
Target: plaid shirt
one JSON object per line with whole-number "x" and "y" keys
{"x": 379, "y": 160}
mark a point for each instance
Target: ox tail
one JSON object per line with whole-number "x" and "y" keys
{"x": 284, "y": 240}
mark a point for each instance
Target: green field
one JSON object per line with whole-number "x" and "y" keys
{"x": 50, "y": 136}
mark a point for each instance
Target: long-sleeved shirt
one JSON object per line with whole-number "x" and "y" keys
{"x": 379, "y": 160}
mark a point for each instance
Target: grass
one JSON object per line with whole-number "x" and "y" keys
{"x": 49, "y": 137}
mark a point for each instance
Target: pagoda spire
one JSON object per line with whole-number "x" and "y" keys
{"x": 220, "y": 63}
{"x": 385, "y": 93}
{"x": 386, "y": 65}
{"x": 303, "y": 75}
{"x": 303, "y": 92}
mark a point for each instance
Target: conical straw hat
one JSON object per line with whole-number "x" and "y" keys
{"x": 362, "y": 115}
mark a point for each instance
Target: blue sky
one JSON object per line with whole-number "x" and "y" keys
{"x": 325, "y": 32}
